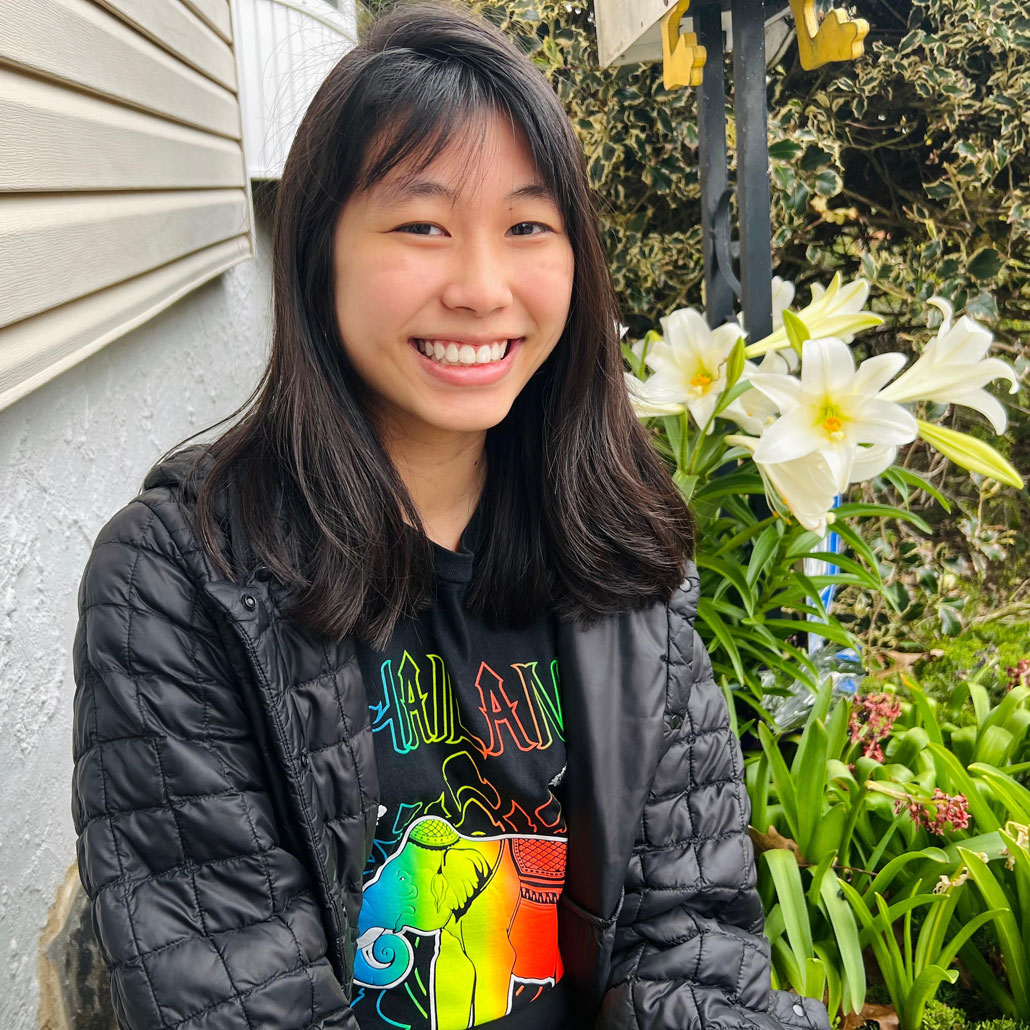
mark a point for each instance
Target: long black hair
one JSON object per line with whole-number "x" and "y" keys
{"x": 579, "y": 514}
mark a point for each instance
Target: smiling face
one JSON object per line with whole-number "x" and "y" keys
{"x": 451, "y": 287}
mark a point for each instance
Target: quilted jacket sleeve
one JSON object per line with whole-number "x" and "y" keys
{"x": 204, "y": 920}
{"x": 689, "y": 950}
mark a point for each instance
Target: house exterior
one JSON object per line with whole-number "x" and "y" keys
{"x": 141, "y": 140}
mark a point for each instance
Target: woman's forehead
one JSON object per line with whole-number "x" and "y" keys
{"x": 454, "y": 160}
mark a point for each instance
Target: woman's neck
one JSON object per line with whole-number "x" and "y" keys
{"x": 444, "y": 475}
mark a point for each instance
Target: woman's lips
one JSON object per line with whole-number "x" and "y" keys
{"x": 468, "y": 374}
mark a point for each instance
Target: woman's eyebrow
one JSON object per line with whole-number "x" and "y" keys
{"x": 396, "y": 192}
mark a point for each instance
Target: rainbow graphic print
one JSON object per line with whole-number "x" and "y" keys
{"x": 458, "y": 924}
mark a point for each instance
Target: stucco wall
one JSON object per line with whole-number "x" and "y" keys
{"x": 71, "y": 454}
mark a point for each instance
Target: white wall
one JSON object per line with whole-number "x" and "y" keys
{"x": 71, "y": 454}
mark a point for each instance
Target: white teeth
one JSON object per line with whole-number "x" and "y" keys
{"x": 463, "y": 354}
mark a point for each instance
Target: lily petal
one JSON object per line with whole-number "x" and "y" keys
{"x": 648, "y": 400}
{"x": 871, "y": 461}
{"x": 882, "y": 421}
{"x": 805, "y": 486}
{"x": 874, "y": 373}
{"x": 792, "y": 435}
{"x": 839, "y": 458}
{"x": 990, "y": 407}
{"x": 827, "y": 367}
{"x": 783, "y": 390}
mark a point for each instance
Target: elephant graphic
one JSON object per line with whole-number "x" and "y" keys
{"x": 490, "y": 902}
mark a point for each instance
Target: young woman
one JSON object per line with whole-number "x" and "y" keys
{"x": 390, "y": 709}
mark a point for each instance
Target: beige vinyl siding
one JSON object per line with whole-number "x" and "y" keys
{"x": 122, "y": 181}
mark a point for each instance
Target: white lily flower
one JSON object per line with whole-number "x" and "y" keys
{"x": 805, "y": 487}
{"x": 953, "y": 370}
{"x": 689, "y": 362}
{"x": 801, "y": 487}
{"x": 647, "y": 400}
{"x": 836, "y": 311}
{"x": 832, "y": 409}
{"x": 752, "y": 410}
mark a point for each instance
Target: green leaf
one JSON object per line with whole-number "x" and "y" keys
{"x": 809, "y": 772}
{"x": 845, "y": 930}
{"x": 923, "y": 988}
{"x": 855, "y": 509}
{"x": 731, "y": 573}
{"x": 921, "y": 483}
{"x": 727, "y": 397}
{"x": 1012, "y": 794}
{"x": 815, "y": 978}
{"x": 783, "y": 782}
{"x": 985, "y": 264}
{"x": 925, "y": 710}
{"x": 763, "y": 549}
{"x": 687, "y": 483}
{"x": 790, "y": 893}
{"x": 785, "y": 150}
{"x": 1005, "y": 924}
{"x": 885, "y": 877}
{"x": 721, "y": 632}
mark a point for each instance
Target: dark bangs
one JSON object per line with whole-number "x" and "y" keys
{"x": 580, "y": 516}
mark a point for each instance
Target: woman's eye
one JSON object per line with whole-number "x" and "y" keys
{"x": 417, "y": 228}
{"x": 523, "y": 225}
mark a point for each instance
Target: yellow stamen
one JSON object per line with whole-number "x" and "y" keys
{"x": 701, "y": 381}
{"x": 832, "y": 422}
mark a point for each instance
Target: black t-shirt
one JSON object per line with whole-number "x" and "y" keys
{"x": 458, "y": 925}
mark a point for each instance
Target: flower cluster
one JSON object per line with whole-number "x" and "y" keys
{"x": 938, "y": 812}
{"x": 1018, "y": 674}
{"x": 872, "y": 717}
{"x": 945, "y": 883}
{"x": 835, "y": 423}
{"x": 1021, "y": 839}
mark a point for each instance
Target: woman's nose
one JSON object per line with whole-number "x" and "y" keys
{"x": 478, "y": 280}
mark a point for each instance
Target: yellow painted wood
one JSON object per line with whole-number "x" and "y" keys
{"x": 836, "y": 38}
{"x": 683, "y": 59}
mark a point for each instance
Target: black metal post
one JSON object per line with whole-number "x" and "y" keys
{"x": 749, "y": 106}
{"x": 720, "y": 282}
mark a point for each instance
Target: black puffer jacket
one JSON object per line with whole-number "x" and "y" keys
{"x": 225, "y": 796}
